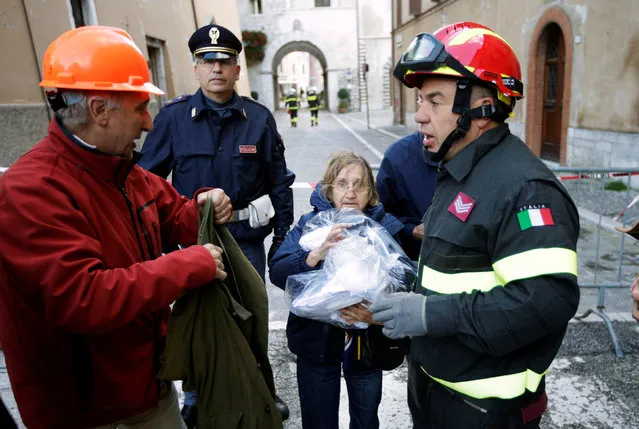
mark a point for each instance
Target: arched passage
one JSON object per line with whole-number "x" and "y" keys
{"x": 298, "y": 46}
{"x": 291, "y": 42}
{"x": 549, "y": 86}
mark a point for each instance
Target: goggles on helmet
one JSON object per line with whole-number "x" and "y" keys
{"x": 427, "y": 54}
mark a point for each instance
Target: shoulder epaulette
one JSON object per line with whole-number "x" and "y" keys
{"x": 252, "y": 100}
{"x": 180, "y": 99}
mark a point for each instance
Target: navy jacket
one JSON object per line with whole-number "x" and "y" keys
{"x": 406, "y": 186}
{"x": 241, "y": 152}
{"x": 315, "y": 341}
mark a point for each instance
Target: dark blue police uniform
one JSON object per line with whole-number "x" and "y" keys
{"x": 232, "y": 145}
{"x": 238, "y": 151}
{"x": 406, "y": 186}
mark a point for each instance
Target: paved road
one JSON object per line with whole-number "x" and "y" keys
{"x": 588, "y": 386}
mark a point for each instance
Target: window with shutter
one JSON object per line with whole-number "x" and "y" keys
{"x": 415, "y": 7}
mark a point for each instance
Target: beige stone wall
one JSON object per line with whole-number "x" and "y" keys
{"x": 25, "y": 37}
{"x": 607, "y": 95}
{"x": 605, "y": 44}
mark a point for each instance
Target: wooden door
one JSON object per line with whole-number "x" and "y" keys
{"x": 553, "y": 93}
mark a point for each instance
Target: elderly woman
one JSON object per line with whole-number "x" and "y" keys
{"x": 347, "y": 183}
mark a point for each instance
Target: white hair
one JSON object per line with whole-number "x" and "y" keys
{"x": 76, "y": 115}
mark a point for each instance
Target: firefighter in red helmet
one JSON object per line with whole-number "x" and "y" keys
{"x": 497, "y": 279}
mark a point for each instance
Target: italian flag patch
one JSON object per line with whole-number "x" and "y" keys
{"x": 538, "y": 216}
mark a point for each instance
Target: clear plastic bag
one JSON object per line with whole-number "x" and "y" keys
{"x": 367, "y": 263}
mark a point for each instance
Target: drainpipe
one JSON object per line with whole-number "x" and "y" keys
{"x": 35, "y": 55}
{"x": 359, "y": 63}
{"x": 194, "y": 14}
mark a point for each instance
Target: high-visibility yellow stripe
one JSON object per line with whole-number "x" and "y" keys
{"x": 464, "y": 36}
{"x": 536, "y": 262}
{"x": 503, "y": 386}
{"x": 532, "y": 263}
{"x": 459, "y": 282}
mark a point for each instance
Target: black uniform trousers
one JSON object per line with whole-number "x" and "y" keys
{"x": 434, "y": 406}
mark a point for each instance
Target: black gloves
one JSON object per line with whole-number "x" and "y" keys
{"x": 277, "y": 242}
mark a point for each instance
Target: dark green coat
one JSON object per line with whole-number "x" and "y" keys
{"x": 217, "y": 341}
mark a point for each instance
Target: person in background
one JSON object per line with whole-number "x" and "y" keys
{"x": 314, "y": 106}
{"x": 497, "y": 275}
{"x": 84, "y": 290}
{"x": 406, "y": 186}
{"x": 348, "y": 182}
{"x": 219, "y": 139}
{"x": 633, "y": 231}
{"x": 292, "y": 103}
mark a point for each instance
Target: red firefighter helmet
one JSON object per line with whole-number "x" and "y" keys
{"x": 482, "y": 54}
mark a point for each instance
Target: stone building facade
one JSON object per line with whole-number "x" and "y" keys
{"x": 160, "y": 28}
{"x": 341, "y": 34}
{"x": 580, "y": 67}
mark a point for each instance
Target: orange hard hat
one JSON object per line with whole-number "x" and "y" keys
{"x": 96, "y": 58}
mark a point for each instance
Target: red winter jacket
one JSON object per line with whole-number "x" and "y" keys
{"x": 84, "y": 293}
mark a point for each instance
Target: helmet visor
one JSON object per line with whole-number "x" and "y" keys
{"x": 424, "y": 47}
{"x": 425, "y": 54}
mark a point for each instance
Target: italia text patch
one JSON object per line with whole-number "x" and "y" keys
{"x": 246, "y": 148}
{"x": 534, "y": 215}
{"x": 461, "y": 206}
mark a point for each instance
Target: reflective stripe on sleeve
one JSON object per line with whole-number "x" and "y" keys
{"x": 531, "y": 263}
{"x": 536, "y": 262}
{"x": 443, "y": 283}
{"x": 503, "y": 386}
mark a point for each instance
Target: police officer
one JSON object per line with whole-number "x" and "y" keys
{"x": 497, "y": 279}
{"x": 313, "y": 105}
{"x": 216, "y": 138}
{"x": 292, "y": 103}
{"x": 406, "y": 185}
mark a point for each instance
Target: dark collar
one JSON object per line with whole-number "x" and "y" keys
{"x": 198, "y": 105}
{"x": 107, "y": 167}
{"x": 463, "y": 162}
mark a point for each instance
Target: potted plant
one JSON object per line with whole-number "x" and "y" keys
{"x": 344, "y": 96}
{"x": 254, "y": 42}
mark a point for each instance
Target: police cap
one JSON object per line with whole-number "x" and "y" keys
{"x": 214, "y": 42}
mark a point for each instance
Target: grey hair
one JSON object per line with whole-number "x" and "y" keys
{"x": 76, "y": 115}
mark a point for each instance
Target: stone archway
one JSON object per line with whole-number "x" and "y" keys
{"x": 291, "y": 42}
{"x": 302, "y": 46}
{"x": 535, "y": 95}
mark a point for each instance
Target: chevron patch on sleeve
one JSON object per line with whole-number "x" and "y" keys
{"x": 461, "y": 206}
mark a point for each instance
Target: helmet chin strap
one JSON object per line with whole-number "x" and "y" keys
{"x": 461, "y": 106}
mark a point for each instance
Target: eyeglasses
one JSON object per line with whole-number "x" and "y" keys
{"x": 211, "y": 62}
{"x": 357, "y": 187}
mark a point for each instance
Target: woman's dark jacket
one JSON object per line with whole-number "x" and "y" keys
{"x": 315, "y": 341}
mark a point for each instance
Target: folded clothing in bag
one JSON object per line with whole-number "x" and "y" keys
{"x": 366, "y": 263}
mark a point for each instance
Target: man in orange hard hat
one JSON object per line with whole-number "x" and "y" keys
{"x": 86, "y": 295}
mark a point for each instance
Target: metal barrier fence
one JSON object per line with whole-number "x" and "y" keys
{"x": 605, "y": 205}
